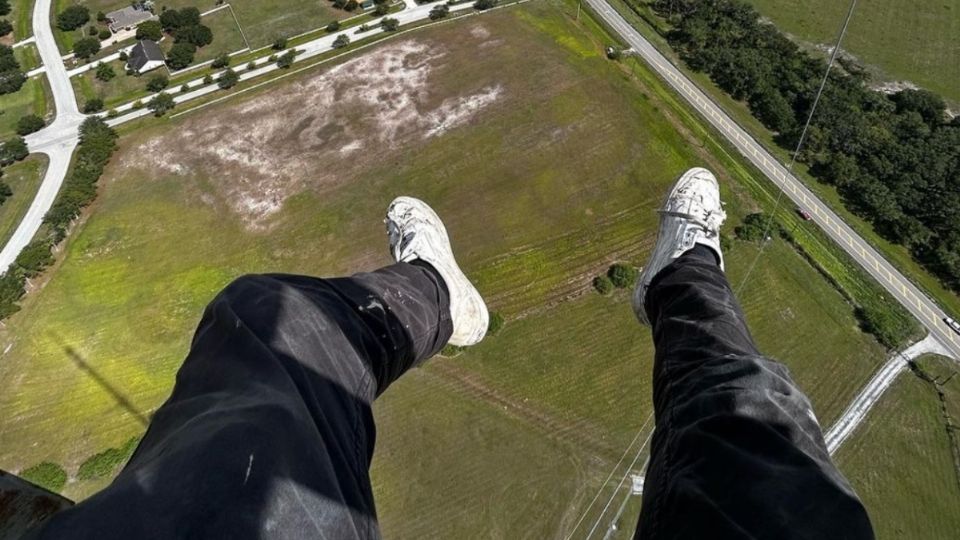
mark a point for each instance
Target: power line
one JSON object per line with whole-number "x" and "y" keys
{"x": 609, "y": 476}
{"x": 803, "y": 136}
{"x": 614, "y": 494}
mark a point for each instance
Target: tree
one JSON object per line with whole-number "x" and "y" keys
{"x": 11, "y": 78}
{"x": 381, "y": 10}
{"x": 930, "y": 106}
{"x": 184, "y": 88}
{"x": 73, "y": 17}
{"x": 279, "y": 44}
{"x": 101, "y": 17}
{"x": 286, "y": 59}
{"x": 151, "y": 30}
{"x": 622, "y": 276}
{"x": 221, "y": 61}
{"x": 5, "y": 27}
{"x": 389, "y": 24}
{"x": 161, "y": 103}
{"x": 484, "y": 4}
{"x": 4, "y": 7}
{"x": 5, "y": 191}
{"x": 92, "y": 30}
{"x": 439, "y": 12}
{"x": 157, "y": 83}
{"x": 14, "y": 149}
{"x": 755, "y": 228}
{"x": 104, "y": 34}
{"x": 603, "y": 285}
{"x": 172, "y": 19}
{"x": 208, "y": 79}
{"x": 105, "y": 72}
{"x": 196, "y": 34}
{"x": 34, "y": 257}
{"x": 228, "y": 79}
{"x": 86, "y": 47}
{"x": 342, "y": 41}
{"x": 333, "y": 26}
{"x": 181, "y": 55}
{"x": 93, "y": 105}
{"x": 29, "y": 123}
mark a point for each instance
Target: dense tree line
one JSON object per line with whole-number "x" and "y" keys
{"x": 11, "y": 78}
{"x": 894, "y": 158}
{"x": 97, "y": 143}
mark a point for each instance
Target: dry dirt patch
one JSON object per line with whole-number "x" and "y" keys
{"x": 322, "y": 130}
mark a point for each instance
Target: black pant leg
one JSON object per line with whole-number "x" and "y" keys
{"x": 737, "y": 451}
{"x": 268, "y": 432}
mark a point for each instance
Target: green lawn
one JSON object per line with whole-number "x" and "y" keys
{"x": 28, "y": 56}
{"x": 118, "y": 90}
{"x": 915, "y": 41}
{"x": 900, "y": 461}
{"x": 21, "y": 14}
{"x": 226, "y": 36}
{"x": 23, "y": 178}
{"x": 30, "y": 99}
{"x": 261, "y": 21}
{"x": 555, "y": 178}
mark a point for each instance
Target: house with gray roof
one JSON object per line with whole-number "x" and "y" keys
{"x": 144, "y": 56}
{"x": 129, "y": 17}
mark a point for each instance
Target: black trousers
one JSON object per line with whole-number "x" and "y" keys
{"x": 269, "y": 434}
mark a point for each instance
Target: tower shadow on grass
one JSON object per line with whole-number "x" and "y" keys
{"x": 117, "y": 396}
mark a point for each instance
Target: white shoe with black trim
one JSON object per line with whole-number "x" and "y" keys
{"x": 416, "y": 232}
{"x": 691, "y": 215}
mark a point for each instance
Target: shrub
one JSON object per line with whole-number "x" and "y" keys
{"x": 34, "y": 258}
{"x": 622, "y": 276}
{"x": 279, "y": 44}
{"x": 101, "y": 17}
{"x": 208, "y": 79}
{"x": 341, "y": 41}
{"x": 105, "y": 72}
{"x": 389, "y": 24}
{"x": 603, "y": 285}
{"x": 755, "y": 225}
{"x": 228, "y": 79}
{"x": 157, "y": 83}
{"x": 14, "y": 149}
{"x": 251, "y": 65}
{"x": 181, "y": 55}
{"x": 381, "y": 10}
{"x": 104, "y": 34}
{"x": 221, "y": 61}
{"x": 86, "y": 47}
{"x": 46, "y": 475}
{"x": 29, "y": 123}
{"x": 92, "y": 30}
{"x": 333, "y": 27}
{"x": 439, "y": 12}
{"x": 286, "y": 59}
{"x": 5, "y": 27}
{"x": 93, "y": 105}
{"x": 72, "y": 18}
{"x": 104, "y": 463}
{"x": 113, "y": 113}
{"x": 484, "y": 4}
{"x": 124, "y": 56}
{"x": 184, "y": 88}
{"x": 151, "y": 30}
{"x": 5, "y": 191}
{"x": 884, "y": 325}
{"x": 138, "y": 104}
{"x": 161, "y": 103}
{"x": 496, "y": 323}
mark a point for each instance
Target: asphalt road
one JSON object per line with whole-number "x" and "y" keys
{"x": 58, "y": 140}
{"x": 899, "y": 287}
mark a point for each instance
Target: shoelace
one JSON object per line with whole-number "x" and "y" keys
{"x": 710, "y": 220}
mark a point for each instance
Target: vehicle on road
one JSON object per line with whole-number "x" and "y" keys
{"x": 804, "y": 214}
{"x": 954, "y": 325}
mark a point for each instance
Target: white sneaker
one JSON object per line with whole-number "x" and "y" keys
{"x": 691, "y": 215}
{"x": 416, "y": 232}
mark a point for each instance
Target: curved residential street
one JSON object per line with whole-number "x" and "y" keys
{"x": 58, "y": 140}
{"x": 919, "y": 304}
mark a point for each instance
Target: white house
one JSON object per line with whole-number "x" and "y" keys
{"x": 144, "y": 56}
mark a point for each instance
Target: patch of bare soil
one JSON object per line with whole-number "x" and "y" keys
{"x": 318, "y": 132}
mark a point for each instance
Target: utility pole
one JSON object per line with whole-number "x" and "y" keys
{"x": 578, "y": 10}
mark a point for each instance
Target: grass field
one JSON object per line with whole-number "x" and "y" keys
{"x": 24, "y": 179}
{"x": 28, "y": 56}
{"x": 914, "y": 41}
{"x": 261, "y": 21}
{"x": 547, "y": 162}
{"x": 30, "y": 99}
{"x": 20, "y": 16}
{"x": 900, "y": 461}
